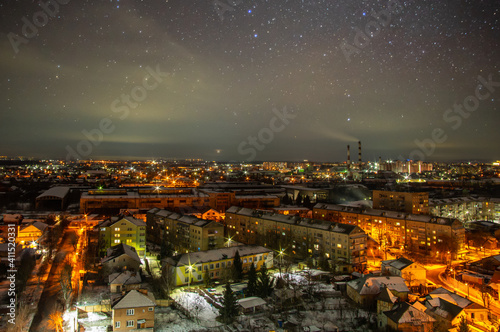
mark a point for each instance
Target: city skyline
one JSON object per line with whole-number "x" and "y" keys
{"x": 251, "y": 81}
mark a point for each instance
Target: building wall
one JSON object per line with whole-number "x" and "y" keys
{"x": 182, "y": 274}
{"x": 124, "y": 231}
{"x": 123, "y": 262}
{"x": 139, "y": 313}
{"x": 300, "y": 239}
{"x": 415, "y": 203}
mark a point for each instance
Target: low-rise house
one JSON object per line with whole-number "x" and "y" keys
{"x": 414, "y": 273}
{"x": 134, "y": 311}
{"x": 407, "y": 318}
{"x": 366, "y": 289}
{"x": 32, "y": 234}
{"x": 124, "y": 281}
{"x": 250, "y": 304}
{"x": 191, "y": 267}
{"x": 120, "y": 258}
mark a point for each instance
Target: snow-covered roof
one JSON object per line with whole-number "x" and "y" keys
{"x": 373, "y": 285}
{"x": 405, "y": 313}
{"x": 251, "y": 302}
{"x": 442, "y": 292}
{"x": 215, "y": 255}
{"x": 119, "y": 250}
{"x": 125, "y": 278}
{"x": 59, "y": 192}
{"x": 134, "y": 299}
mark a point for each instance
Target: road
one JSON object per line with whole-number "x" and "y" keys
{"x": 51, "y": 300}
{"x": 433, "y": 275}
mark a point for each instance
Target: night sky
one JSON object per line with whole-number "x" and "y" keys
{"x": 251, "y": 80}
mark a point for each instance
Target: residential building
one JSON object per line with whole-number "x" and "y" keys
{"x": 31, "y": 235}
{"x": 366, "y": 289}
{"x": 124, "y": 281}
{"x": 408, "y": 318}
{"x": 413, "y": 273}
{"x": 304, "y": 237}
{"x": 190, "y": 268}
{"x": 185, "y": 233}
{"x": 466, "y": 208}
{"x": 134, "y": 311}
{"x": 417, "y": 234}
{"x": 121, "y": 258}
{"x": 415, "y": 203}
{"x": 123, "y": 229}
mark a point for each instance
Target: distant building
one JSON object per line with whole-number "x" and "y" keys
{"x": 123, "y": 229}
{"x": 185, "y": 233}
{"x": 112, "y": 200}
{"x": 135, "y": 311}
{"x": 121, "y": 258}
{"x": 191, "y": 267}
{"x": 414, "y": 203}
{"x": 55, "y": 198}
{"x": 466, "y": 208}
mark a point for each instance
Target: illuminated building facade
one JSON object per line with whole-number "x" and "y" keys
{"x": 303, "y": 237}
{"x": 415, "y": 203}
{"x": 421, "y": 234}
{"x": 185, "y": 233}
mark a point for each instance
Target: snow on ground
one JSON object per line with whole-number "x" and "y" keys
{"x": 171, "y": 320}
{"x": 196, "y": 305}
{"x": 292, "y": 277}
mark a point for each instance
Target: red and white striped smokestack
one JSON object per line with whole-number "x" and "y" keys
{"x": 348, "y": 156}
{"x": 359, "y": 153}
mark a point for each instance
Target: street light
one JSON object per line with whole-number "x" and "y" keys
{"x": 467, "y": 284}
{"x": 280, "y": 255}
{"x": 190, "y": 269}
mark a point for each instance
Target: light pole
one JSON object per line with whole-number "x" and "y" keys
{"x": 280, "y": 255}
{"x": 467, "y": 284}
{"x": 190, "y": 269}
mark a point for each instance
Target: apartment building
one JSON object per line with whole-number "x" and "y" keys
{"x": 185, "y": 233}
{"x": 415, "y": 203}
{"x": 466, "y": 208}
{"x": 123, "y": 229}
{"x": 422, "y": 234}
{"x": 302, "y": 237}
{"x": 113, "y": 200}
{"x": 190, "y": 268}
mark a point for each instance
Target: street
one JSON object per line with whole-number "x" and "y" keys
{"x": 51, "y": 300}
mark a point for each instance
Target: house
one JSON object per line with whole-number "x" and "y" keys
{"x": 121, "y": 257}
{"x": 134, "y": 311}
{"x": 445, "y": 312}
{"x": 32, "y": 234}
{"x": 414, "y": 273}
{"x": 194, "y": 266}
{"x": 407, "y": 318}
{"x": 366, "y": 289}
{"x": 124, "y": 281}
{"x": 123, "y": 229}
{"x": 250, "y": 304}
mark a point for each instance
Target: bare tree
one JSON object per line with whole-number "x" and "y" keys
{"x": 65, "y": 281}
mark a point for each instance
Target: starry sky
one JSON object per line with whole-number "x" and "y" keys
{"x": 250, "y": 80}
